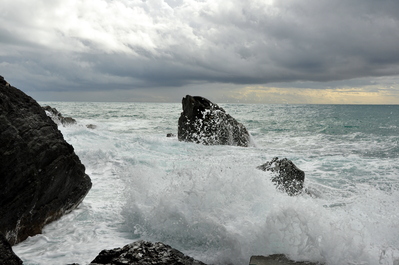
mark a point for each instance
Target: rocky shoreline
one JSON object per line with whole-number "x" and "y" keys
{"x": 44, "y": 179}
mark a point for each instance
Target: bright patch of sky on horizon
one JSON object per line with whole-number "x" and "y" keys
{"x": 255, "y": 51}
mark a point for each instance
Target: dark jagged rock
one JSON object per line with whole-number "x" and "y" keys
{"x": 41, "y": 176}
{"x": 57, "y": 117}
{"x": 4, "y": 82}
{"x": 145, "y": 253}
{"x": 170, "y": 135}
{"x": 7, "y": 256}
{"x": 287, "y": 176}
{"x": 205, "y": 122}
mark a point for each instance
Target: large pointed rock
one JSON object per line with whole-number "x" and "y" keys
{"x": 41, "y": 176}
{"x": 205, "y": 122}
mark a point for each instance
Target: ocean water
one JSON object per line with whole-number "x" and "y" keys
{"x": 212, "y": 203}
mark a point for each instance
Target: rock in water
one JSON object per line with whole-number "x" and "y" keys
{"x": 41, "y": 176}
{"x": 146, "y": 253}
{"x": 57, "y": 117}
{"x": 7, "y": 256}
{"x": 91, "y": 126}
{"x": 278, "y": 259}
{"x": 287, "y": 176}
{"x": 205, "y": 122}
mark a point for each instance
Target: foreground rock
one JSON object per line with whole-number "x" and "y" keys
{"x": 205, "y": 122}
{"x": 41, "y": 176}
{"x": 287, "y": 177}
{"x": 57, "y": 117}
{"x": 7, "y": 256}
{"x": 145, "y": 253}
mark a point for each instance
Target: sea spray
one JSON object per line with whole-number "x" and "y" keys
{"x": 201, "y": 206}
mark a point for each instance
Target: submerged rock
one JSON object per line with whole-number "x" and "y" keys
{"x": 278, "y": 259}
{"x": 205, "y": 122}
{"x": 7, "y": 256}
{"x": 57, "y": 117}
{"x": 146, "y": 253}
{"x": 41, "y": 176}
{"x": 91, "y": 126}
{"x": 288, "y": 177}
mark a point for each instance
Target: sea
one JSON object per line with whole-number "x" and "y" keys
{"x": 212, "y": 203}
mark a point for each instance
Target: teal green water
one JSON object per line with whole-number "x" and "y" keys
{"x": 212, "y": 203}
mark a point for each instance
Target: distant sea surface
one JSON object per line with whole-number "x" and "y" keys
{"x": 211, "y": 202}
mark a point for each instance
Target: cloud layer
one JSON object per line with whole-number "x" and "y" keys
{"x": 78, "y": 45}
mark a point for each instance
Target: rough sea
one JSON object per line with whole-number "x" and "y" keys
{"x": 211, "y": 202}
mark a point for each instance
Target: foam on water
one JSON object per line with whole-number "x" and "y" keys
{"x": 212, "y": 203}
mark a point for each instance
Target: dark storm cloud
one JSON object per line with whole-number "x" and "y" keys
{"x": 82, "y": 45}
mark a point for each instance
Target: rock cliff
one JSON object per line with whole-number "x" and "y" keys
{"x": 41, "y": 176}
{"x": 7, "y": 256}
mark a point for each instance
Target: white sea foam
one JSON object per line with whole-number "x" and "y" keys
{"x": 212, "y": 203}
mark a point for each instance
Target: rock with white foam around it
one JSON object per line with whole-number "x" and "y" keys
{"x": 145, "y": 253}
{"x": 57, "y": 117}
{"x": 287, "y": 176}
{"x": 205, "y": 122}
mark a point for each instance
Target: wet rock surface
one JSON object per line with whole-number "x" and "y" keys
{"x": 287, "y": 177}
{"x": 205, "y": 122}
{"x": 7, "y": 256}
{"x": 41, "y": 176}
{"x": 145, "y": 253}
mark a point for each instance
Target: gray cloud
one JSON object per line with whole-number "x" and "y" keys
{"x": 101, "y": 45}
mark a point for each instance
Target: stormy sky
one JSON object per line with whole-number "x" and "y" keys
{"x": 257, "y": 51}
